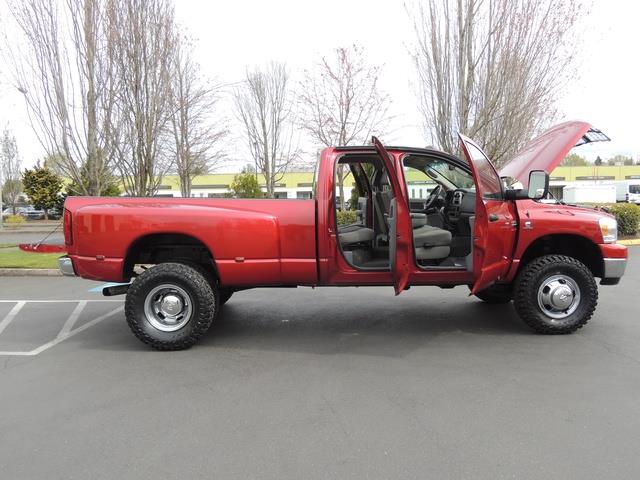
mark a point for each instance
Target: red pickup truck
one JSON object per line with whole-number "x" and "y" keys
{"x": 181, "y": 259}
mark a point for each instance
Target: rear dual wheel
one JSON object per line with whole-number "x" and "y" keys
{"x": 171, "y": 306}
{"x": 225, "y": 295}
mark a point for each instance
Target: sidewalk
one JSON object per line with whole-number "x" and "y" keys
{"x": 629, "y": 241}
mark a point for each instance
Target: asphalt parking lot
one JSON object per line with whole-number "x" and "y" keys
{"x": 325, "y": 383}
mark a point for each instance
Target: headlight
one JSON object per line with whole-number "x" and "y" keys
{"x": 609, "y": 229}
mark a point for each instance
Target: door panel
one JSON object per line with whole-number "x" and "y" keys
{"x": 494, "y": 238}
{"x": 495, "y": 222}
{"x": 399, "y": 224}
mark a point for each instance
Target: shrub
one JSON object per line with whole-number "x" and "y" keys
{"x": 347, "y": 217}
{"x": 628, "y": 217}
{"x": 14, "y": 220}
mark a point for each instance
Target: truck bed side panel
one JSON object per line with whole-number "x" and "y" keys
{"x": 253, "y": 242}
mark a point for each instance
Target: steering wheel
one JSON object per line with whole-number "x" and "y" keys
{"x": 433, "y": 196}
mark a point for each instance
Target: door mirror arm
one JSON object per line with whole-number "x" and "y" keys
{"x": 538, "y": 187}
{"x": 516, "y": 194}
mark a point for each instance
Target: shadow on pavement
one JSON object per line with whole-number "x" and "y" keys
{"x": 348, "y": 322}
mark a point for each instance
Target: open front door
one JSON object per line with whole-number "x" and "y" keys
{"x": 495, "y": 226}
{"x": 399, "y": 223}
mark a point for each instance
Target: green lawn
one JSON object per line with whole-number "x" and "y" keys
{"x": 12, "y": 257}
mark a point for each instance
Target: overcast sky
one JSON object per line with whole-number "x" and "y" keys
{"x": 238, "y": 34}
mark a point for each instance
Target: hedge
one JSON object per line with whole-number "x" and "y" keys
{"x": 14, "y": 220}
{"x": 346, "y": 217}
{"x": 628, "y": 217}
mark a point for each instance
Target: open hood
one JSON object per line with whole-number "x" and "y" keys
{"x": 549, "y": 149}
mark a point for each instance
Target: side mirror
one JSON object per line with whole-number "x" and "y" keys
{"x": 538, "y": 184}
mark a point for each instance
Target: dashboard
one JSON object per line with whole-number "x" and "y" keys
{"x": 459, "y": 202}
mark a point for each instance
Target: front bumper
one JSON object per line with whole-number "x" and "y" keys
{"x": 614, "y": 267}
{"x": 614, "y": 262}
{"x": 66, "y": 266}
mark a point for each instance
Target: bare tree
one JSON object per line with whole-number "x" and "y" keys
{"x": 342, "y": 103}
{"x": 60, "y": 67}
{"x": 143, "y": 44}
{"x": 10, "y": 163}
{"x": 264, "y": 104}
{"x": 492, "y": 69}
{"x": 197, "y": 131}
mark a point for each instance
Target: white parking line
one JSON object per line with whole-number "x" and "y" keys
{"x": 73, "y": 318}
{"x": 60, "y": 301}
{"x": 66, "y": 331}
{"x": 11, "y": 315}
{"x": 93, "y": 322}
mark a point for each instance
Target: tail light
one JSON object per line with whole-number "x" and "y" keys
{"x": 68, "y": 233}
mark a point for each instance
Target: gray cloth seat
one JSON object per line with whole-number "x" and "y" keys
{"x": 353, "y": 234}
{"x": 431, "y": 243}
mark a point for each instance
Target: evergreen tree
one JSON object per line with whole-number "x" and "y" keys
{"x": 43, "y": 188}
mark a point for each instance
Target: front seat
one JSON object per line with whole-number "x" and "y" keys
{"x": 431, "y": 243}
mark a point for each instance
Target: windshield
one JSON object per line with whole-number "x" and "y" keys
{"x": 634, "y": 188}
{"x": 455, "y": 175}
{"x": 439, "y": 171}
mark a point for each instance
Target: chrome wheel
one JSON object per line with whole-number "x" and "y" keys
{"x": 168, "y": 307}
{"x": 558, "y": 296}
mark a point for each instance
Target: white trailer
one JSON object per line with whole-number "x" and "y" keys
{"x": 628, "y": 191}
{"x": 589, "y": 194}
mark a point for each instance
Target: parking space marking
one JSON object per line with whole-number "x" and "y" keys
{"x": 73, "y": 318}
{"x": 60, "y": 301}
{"x": 11, "y": 315}
{"x": 67, "y": 330}
{"x": 90, "y": 324}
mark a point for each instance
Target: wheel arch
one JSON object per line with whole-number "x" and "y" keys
{"x": 155, "y": 248}
{"x": 576, "y": 246}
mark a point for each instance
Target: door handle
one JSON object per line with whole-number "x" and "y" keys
{"x": 493, "y": 217}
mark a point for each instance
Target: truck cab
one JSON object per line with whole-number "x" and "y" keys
{"x": 468, "y": 227}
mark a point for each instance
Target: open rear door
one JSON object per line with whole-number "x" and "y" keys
{"x": 399, "y": 223}
{"x": 495, "y": 227}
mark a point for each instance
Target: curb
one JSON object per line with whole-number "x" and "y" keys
{"x": 632, "y": 241}
{"x": 29, "y": 272}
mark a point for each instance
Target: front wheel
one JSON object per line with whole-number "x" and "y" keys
{"x": 170, "y": 306}
{"x": 555, "y": 294}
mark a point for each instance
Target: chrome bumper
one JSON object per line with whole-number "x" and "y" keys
{"x": 613, "y": 270}
{"x": 66, "y": 266}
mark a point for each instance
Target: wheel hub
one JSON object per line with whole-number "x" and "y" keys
{"x": 168, "y": 307}
{"x": 171, "y": 305}
{"x": 558, "y": 296}
{"x": 561, "y": 297}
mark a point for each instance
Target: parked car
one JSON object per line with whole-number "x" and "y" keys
{"x": 54, "y": 214}
{"x": 31, "y": 213}
{"x": 22, "y": 211}
{"x": 504, "y": 244}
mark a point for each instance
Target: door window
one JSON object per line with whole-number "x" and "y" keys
{"x": 490, "y": 185}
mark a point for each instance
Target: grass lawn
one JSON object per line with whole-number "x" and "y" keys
{"x": 12, "y": 257}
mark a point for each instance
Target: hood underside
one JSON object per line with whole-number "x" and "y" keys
{"x": 549, "y": 149}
